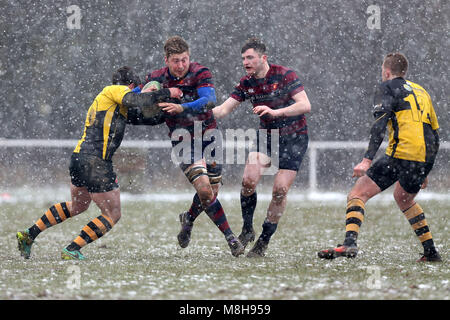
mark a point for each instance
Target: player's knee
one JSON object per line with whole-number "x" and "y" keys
{"x": 115, "y": 215}
{"x": 248, "y": 187}
{"x": 279, "y": 194}
{"x": 206, "y": 195}
{"x": 403, "y": 199}
{"x": 78, "y": 207}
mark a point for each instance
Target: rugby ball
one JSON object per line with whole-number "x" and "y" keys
{"x": 154, "y": 110}
{"x": 152, "y": 83}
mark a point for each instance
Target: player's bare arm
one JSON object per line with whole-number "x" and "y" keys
{"x": 225, "y": 108}
{"x": 301, "y": 106}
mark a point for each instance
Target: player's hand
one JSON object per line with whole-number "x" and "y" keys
{"x": 262, "y": 110}
{"x": 360, "y": 169}
{"x": 424, "y": 184}
{"x": 175, "y": 93}
{"x": 171, "y": 108}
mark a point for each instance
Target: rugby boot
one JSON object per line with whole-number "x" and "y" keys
{"x": 339, "y": 251}
{"x": 259, "y": 249}
{"x": 235, "y": 245}
{"x": 24, "y": 243}
{"x": 246, "y": 236}
{"x": 72, "y": 255}
{"x": 184, "y": 236}
{"x": 430, "y": 257}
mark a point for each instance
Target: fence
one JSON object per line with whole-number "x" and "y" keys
{"x": 314, "y": 150}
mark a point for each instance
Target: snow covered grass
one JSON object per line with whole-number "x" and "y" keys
{"x": 140, "y": 257}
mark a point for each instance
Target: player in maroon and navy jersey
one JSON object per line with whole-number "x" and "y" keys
{"x": 279, "y": 99}
{"x": 195, "y": 81}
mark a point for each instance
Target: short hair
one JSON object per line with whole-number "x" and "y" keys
{"x": 397, "y": 63}
{"x": 255, "y": 44}
{"x": 125, "y": 76}
{"x": 175, "y": 45}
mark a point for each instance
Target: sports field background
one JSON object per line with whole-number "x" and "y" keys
{"x": 140, "y": 258}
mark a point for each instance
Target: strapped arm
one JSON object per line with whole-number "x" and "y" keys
{"x": 147, "y": 99}
{"x": 136, "y": 101}
{"x": 206, "y": 94}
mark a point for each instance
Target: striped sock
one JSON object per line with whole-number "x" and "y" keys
{"x": 416, "y": 219}
{"x": 54, "y": 215}
{"x": 217, "y": 215}
{"x": 196, "y": 208}
{"x": 91, "y": 232}
{"x": 353, "y": 221}
{"x": 248, "y": 205}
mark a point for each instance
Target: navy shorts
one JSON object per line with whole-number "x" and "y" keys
{"x": 410, "y": 174}
{"x": 92, "y": 172}
{"x": 213, "y": 167}
{"x": 292, "y": 149}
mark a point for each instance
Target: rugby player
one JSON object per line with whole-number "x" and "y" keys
{"x": 407, "y": 111}
{"x": 279, "y": 99}
{"x": 91, "y": 168}
{"x": 195, "y": 81}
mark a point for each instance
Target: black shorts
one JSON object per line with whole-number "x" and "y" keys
{"x": 410, "y": 174}
{"x": 292, "y": 149}
{"x": 92, "y": 172}
{"x": 213, "y": 167}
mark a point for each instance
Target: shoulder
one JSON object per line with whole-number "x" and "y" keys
{"x": 156, "y": 74}
{"x": 197, "y": 69}
{"x": 417, "y": 87}
{"x": 195, "y": 66}
{"x": 114, "y": 92}
{"x": 414, "y": 85}
{"x": 279, "y": 71}
{"x": 115, "y": 88}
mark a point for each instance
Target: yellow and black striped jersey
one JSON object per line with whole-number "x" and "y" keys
{"x": 105, "y": 123}
{"x": 411, "y": 120}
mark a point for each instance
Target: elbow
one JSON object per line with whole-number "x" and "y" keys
{"x": 212, "y": 98}
{"x": 308, "y": 107}
{"x": 216, "y": 112}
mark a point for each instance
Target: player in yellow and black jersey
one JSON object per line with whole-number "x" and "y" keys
{"x": 405, "y": 108}
{"x": 91, "y": 168}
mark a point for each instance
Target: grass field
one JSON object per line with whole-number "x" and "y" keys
{"x": 140, "y": 257}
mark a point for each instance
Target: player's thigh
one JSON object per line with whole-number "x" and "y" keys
{"x": 255, "y": 166}
{"x": 292, "y": 150}
{"x": 364, "y": 189}
{"x": 384, "y": 172}
{"x": 81, "y": 200}
{"x": 403, "y": 198}
{"x": 93, "y": 173}
{"x": 413, "y": 174}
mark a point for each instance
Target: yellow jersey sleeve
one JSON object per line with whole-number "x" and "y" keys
{"x": 115, "y": 93}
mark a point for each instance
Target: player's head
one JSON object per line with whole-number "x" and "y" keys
{"x": 254, "y": 57}
{"x": 176, "y": 56}
{"x": 125, "y": 76}
{"x": 394, "y": 65}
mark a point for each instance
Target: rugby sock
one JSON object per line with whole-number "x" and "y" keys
{"x": 196, "y": 208}
{"x": 416, "y": 219}
{"x": 268, "y": 230}
{"x": 248, "y": 205}
{"x": 353, "y": 221}
{"x": 54, "y": 215}
{"x": 91, "y": 232}
{"x": 217, "y": 215}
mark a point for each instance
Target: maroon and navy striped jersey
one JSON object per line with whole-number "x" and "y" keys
{"x": 275, "y": 90}
{"x": 197, "y": 77}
